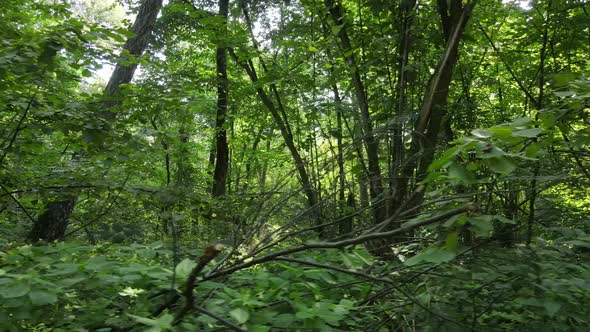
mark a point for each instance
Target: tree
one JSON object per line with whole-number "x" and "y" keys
{"x": 222, "y": 150}
{"x": 52, "y": 223}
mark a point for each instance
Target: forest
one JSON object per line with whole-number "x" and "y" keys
{"x": 294, "y": 165}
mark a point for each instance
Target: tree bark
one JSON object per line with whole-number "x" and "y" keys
{"x": 222, "y": 149}
{"x": 52, "y": 223}
{"x": 424, "y": 138}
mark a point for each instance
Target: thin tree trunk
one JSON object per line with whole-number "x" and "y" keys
{"x": 536, "y": 168}
{"x": 371, "y": 143}
{"x": 52, "y": 223}
{"x": 407, "y": 15}
{"x": 222, "y": 149}
{"x": 284, "y": 129}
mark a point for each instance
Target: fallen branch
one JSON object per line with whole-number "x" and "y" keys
{"x": 210, "y": 252}
{"x": 324, "y": 245}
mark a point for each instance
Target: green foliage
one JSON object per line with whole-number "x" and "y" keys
{"x": 89, "y": 287}
{"x": 513, "y": 142}
{"x": 79, "y": 285}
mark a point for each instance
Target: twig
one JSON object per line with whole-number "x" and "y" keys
{"x": 220, "y": 319}
{"x": 19, "y": 125}
{"x": 326, "y": 245}
{"x": 18, "y": 203}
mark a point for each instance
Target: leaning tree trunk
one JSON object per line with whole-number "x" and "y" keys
{"x": 52, "y": 223}
{"x": 425, "y": 134}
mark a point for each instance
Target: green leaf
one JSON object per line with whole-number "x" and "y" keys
{"x": 452, "y": 241}
{"x": 532, "y": 150}
{"x": 240, "y": 315}
{"x": 284, "y": 320}
{"x": 15, "y": 290}
{"x": 562, "y": 79}
{"x": 502, "y": 132}
{"x": 161, "y": 324}
{"x": 482, "y": 133}
{"x": 42, "y": 297}
{"x": 184, "y": 268}
{"x": 482, "y": 226}
{"x": 434, "y": 255}
{"x": 336, "y": 29}
{"x": 530, "y": 133}
{"x": 459, "y": 172}
{"x": 501, "y": 165}
{"x": 504, "y": 220}
{"x": 258, "y": 328}
{"x": 551, "y": 307}
{"x": 579, "y": 243}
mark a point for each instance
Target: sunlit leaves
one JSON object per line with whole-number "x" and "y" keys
{"x": 240, "y": 315}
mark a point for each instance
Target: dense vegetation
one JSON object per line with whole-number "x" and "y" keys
{"x": 294, "y": 165}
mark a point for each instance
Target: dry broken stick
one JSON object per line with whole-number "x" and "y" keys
{"x": 210, "y": 252}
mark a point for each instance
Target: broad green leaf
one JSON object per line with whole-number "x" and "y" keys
{"x": 163, "y": 323}
{"x": 17, "y": 289}
{"x": 459, "y": 172}
{"x": 452, "y": 241}
{"x": 434, "y": 255}
{"x": 258, "y": 328}
{"x": 532, "y": 150}
{"x": 564, "y": 93}
{"x": 481, "y": 225}
{"x": 551, "y": 307}
{"x": 336, "y": 29}
{"x": 530, "y": 133}
{"x": 42, "y": 297}
{"x": 579, "y": 243}
{"x": 284, "y": 320}
{"x": 501, "y": 132}
{"x": 562, "y": 79}
{"x": 501, "y": 165}
{"x": 240, "y": 315}
{"x": 482, "y": 133}
{"x": 184, "y": 268}
{"x": 504, "y": 220}
{"x": 519, "y": 122}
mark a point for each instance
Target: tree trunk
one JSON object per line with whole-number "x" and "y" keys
{"x": 406, "y": 17}
{"x": 371, "y": 143}
{"x": 285, "y": 131}
{"x": 434, "y": 105}
{"x": 222, "y": 150}
{"x": 52, "y": 223}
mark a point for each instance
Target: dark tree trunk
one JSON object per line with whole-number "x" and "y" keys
{"x": 52, "y": 223}
{"x": 222, "y": 149}
{"x": 424, "y": 139}
{"x": 345, "y": 225}
{"x": 371, "y": 143}
{"x": 406, "y": 18}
